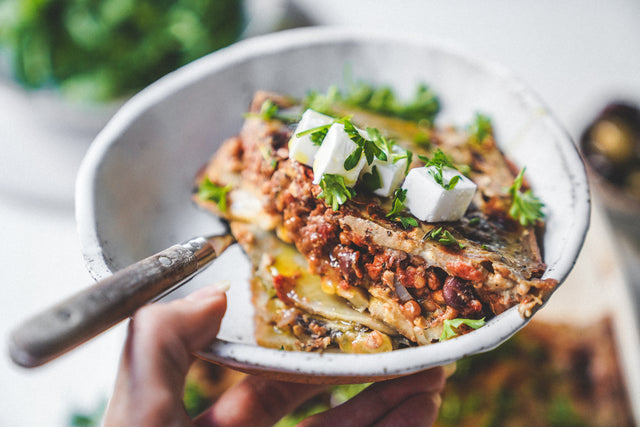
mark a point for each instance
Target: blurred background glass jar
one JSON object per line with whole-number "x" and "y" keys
{"x": 611, "y": 148}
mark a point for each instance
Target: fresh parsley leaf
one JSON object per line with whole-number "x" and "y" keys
{"x": 369, "y": 147}
{"x": 480, "y": 129}
{"x": 424, "y": 106}
{"x": 334, "y": 191}
{"x": 352, "y": 159}
{"x": 396, "y": 157}
{"x": 474, "y": 221}
{"x": 450, "y": 326}
{"x": 371, "y": 180}
{"x": 439, "y": 161}
{"x": 270, "y": 111}
{"x": 452, "y": 182}
{"x": 316, "y": 134}
{"x": 379, "y": 99}
{"x": 464, "y": 170}
{"x": 323, "y": 103}
{"x": 525, "y": 207}
{"x": 318, "y": 137}
{"x": 398, "y": 207}
{"x": 381, "y": 142}
{"x": 358, "y": 94}
{"x": 214, "y": 193}
{"x": 399, "y": 197}
{"x": 407, "y": 221}
{"x": 448, "y": 239}
{"x": 423, "y": 139}
{"x": 443, "y": 237}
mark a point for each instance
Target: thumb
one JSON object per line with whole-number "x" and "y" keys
{"x": 157, "y": 355}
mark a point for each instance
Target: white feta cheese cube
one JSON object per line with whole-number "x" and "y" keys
{"x": 330, "y": 157}
{"x": 391, "y": 174}
{"x": 428, "y": 201}
{"x": 302, "y": 149}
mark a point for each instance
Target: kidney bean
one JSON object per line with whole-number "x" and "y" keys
{"x": 459, "y": 294}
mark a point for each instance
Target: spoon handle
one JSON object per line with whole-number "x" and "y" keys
{"x": 92, "y": 311}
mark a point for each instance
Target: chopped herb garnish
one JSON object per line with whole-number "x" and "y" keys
{"x": 525, "y": 207}
{"x": 316, "y": 134}
{"x": 270, "y": 111}
{"x": 398, "y": 208}
{"x": 371, "y": 180}
{"x": 323, "y": 103}
{"x": 439, "y": 161}
{"x": 214, "y": 193}
{"x": 370, "y": 147}
{"x": 396, "y": 157}
{"x": 480, "y": 129}
{"x": 383, "y": 143}
{"x": 423, "y": 139}
{"x": 443, "y": 237}
{"x": 399, "y": 197}
{"x": 464, "y": 170}
{"x": 334, "y": 191}
{"x": 450, "y": 326}
{"x": 352, "y": 159}
{"x": 406, "y": 221}
{"x": 382, "y": 100}
{"x": 425, "y": 106}
{"x": 318, "y": 137}
{"x": 474, "y": 221}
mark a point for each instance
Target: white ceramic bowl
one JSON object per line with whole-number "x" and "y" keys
{"x": 134, "y": 186}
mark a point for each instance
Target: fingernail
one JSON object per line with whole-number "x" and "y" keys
{"x": 209, "y": 291}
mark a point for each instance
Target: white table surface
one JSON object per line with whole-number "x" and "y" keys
{"x": 577, "y": 55}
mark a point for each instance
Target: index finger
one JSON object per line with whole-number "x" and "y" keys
{"x": 381, "y": 400}
{"x": 257, "y": 402}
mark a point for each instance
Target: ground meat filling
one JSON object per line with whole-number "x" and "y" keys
{"x": 358, "y": 248}
{"x": 332, "y": 251}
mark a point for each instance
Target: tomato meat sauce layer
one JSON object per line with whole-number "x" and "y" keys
{"x": 340, "y": 267}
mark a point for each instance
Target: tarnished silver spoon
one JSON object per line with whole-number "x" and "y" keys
{"x": 92, "y": 311}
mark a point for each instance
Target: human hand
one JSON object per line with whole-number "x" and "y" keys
{"x": 159, "y": 350}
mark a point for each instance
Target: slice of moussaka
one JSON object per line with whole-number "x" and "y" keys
{"x": 371, "y": 229}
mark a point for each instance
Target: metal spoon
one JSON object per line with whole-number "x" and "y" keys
{"x": 92, "y": 311}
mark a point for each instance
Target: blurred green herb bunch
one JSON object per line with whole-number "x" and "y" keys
{"x": 101, "y": 50}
